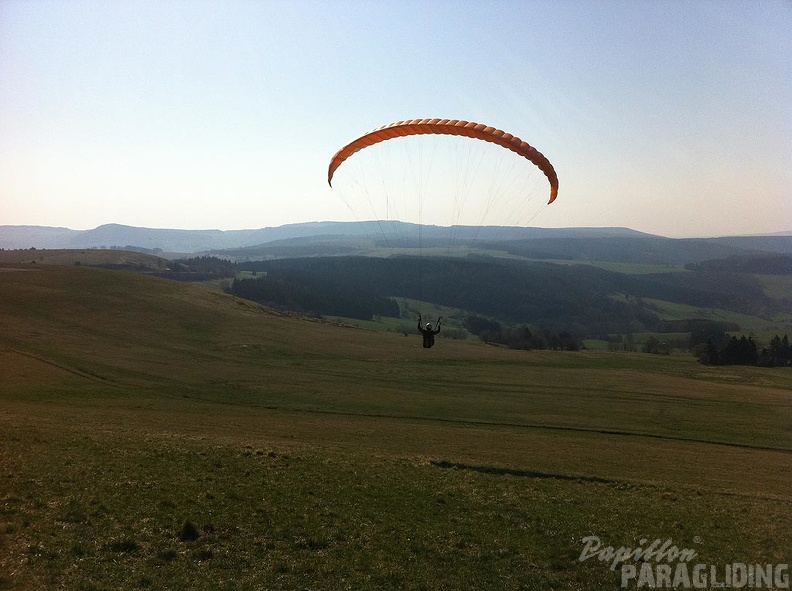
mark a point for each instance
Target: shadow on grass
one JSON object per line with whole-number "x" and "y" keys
{"x": 521, "y": 473}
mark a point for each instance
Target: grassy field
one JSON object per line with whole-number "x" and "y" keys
{"x": 160, "y": 435}
{"x": 85, "y": 256}
{"x": 628, "y": 268}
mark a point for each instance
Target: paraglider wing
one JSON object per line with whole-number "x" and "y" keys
{"x": 447, "y": 127}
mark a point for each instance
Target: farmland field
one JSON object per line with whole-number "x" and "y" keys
{"x": 159, "y": 435}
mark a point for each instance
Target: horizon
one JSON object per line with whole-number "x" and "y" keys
{"x": 781, "y": 233}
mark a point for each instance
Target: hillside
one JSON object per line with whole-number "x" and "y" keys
{"x": 126, "y": 330}
{"x": 108, "y": 259}
{"x": 159, "y": 434}
{"x": 131, "y": 332}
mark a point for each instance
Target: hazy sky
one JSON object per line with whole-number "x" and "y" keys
{"x": 669, "y": 117}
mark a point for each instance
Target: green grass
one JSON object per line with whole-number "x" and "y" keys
{"x": 628, "y": 268}
{"x": 85, "y": 256}
{"x": 746, "y": 322}
{"x": 776, "y": 286}
{"x": 161, "y": 435}
{"x": 111, "y": 510}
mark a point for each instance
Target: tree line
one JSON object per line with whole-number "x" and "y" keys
{"x": 744, "y": 351}
{"x": 522, "y": 336}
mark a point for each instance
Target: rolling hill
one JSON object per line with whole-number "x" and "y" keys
{"x": 162, "y": 434}
{"x": 315, "y": 238}
{"x": 94, "y": 257}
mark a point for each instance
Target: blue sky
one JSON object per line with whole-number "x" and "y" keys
{"x": 669, "y": 117}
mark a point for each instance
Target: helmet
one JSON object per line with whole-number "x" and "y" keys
{"x": 428, "y": 325}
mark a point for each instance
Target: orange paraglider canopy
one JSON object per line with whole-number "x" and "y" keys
{"x": 447, "y": 127}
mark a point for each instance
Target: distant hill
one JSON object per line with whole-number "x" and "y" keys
{"x": 619, "y": 245}
{"x": 23, "y": 237}
{"x": 200, "y": 241}
{"x": 774, "y": 264}
{"x": 168, "y": 240}
{"x": 646, "y": 249}
{"x": 93, "y": 257}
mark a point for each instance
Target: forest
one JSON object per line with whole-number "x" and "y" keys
{"x": 524, "y": 304}
{"x": 744, "y": 351}
{"x": 586, "y": 300}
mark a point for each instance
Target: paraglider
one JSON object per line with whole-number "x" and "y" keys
{"x": 428, "y": 333}
{"x": 432, "y": 195}
{"x": 447, "y": 127}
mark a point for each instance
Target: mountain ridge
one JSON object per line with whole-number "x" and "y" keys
{"x": 579, "y": 243}
{"x": 193, "y": 241}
